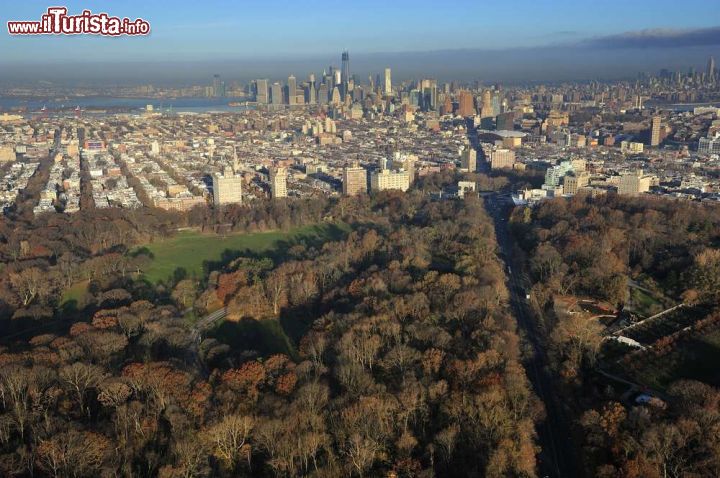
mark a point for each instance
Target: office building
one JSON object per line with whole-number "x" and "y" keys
{"x": 631, "y": 147}
{"x": 555, "y": 174}
{"x": 387, "y": 179}
{"x": 227, "y": 187}
{"x": 311, "y": 91}
{"x": 261, "y": 91}
{"x": 487, "y": 106}
{"x": 387, "y": 84}
{"x": 278, "y": 182}
{"x": 277, "y": 94}
{"x": 322, "y": 95}
{"x": 632, "y": 183}
{"x": 291, "y": 90}
{"x": 505, "y": 121}
{"x": 335, "y": 100}
{"x": 502, "y": 158}
{"x": 345, "y": 77}
{"x": 709, "y": 145}
{"x": 573, "y": 181}
{"x": 218, "y": 88}
{"x": 354, "y": 181}
{"x": 405, "y": 162}
{"x": 655, "y": 131}
{"x": 466, "y": 104}
{"x": 7, "y": 153}
{"x": 710, "y": 73}
{"x": 469, "y": 159}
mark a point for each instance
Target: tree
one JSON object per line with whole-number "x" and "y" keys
{"x": 229, "y": 437}
{"x": 30, "y": 284}
{"x": 81, "y": 377}
{"x": 73, "y": 453}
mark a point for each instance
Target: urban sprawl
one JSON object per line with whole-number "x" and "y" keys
{"x": 334, "y": 134}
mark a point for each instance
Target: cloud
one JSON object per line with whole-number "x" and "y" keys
{"x": 658, "y": 38}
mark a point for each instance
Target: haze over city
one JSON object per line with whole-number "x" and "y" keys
{"x": 510, "y": 42}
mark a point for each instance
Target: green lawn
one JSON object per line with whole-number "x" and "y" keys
{"x": 643, "y": 303}
{"x": 694, "y": 359}
{"x": 74, "y": 292}
{"x": 266, "y": 336}
{"x": 196, "y": 253}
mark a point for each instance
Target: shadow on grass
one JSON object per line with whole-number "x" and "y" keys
{"x": 266, "y": 337}
{"x": 281, "y": 250}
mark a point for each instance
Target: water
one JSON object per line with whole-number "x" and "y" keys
{"x": 679, "y": 107}
{"x": 196, "y": 105}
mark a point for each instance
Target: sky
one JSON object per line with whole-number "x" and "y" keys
{"x": 239, "y": 38}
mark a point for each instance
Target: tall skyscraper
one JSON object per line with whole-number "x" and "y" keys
{"x": 311, "y": 97}
{"x": 335, "y": 100}
{"x": 277, "y": 94}
{"x": 487, "y": 107}
{"x": 217, "y": 86}
{"x": 345, "y": 90}
{"x": 227, "y": 187}
{"x": 278, "y": 182}
{"x": 466, "y": 106}
{"x": 323, "y": 94}
{"x": 261, "y": 87}
{"x": 655, "y": 131}
{"x": 710, "y": 69}
{"x": 291, "y": 90}
{"x": 387, "y": 85}
{"x": 354, "y": 181}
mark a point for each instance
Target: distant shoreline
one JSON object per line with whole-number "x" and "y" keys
{"x": 25, "y": 104}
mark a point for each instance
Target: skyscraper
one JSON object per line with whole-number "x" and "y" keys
{"x": 311, "y": 97}
{"x": 345, "y": 90}
{"x": 216, "y": 85}
{"x": 291, "y": 90}
{"x": 655, "y": 131}
{"x": 277, "y": 94}
{"x": 322, "y": 95}
{"x": 387, "y": 85}
{"x": 261, "y": 95}
{"x": 466, "y": 106}
{"x": 711, "y": 69}
{"x": 487, "y": 108}
{"x": 335, "y": 100}
{"x": 278, "y": 182}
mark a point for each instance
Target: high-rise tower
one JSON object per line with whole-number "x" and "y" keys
{"x": 711, "y": 69}
{"x": 387, "y": 85}
{"x": 345, "y": 78}
{"x": 291, "y": 90}
{"x": 655, "y": 130}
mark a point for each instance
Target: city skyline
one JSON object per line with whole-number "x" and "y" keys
{"x": 568, "y": 41}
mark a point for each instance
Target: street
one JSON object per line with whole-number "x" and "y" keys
{"x": 558, "y": 457}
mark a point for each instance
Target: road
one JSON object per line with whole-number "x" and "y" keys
{"x": 204, "y": 323}
{"x": 559, "y": 456}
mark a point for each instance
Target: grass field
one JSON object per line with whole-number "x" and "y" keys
{"x": 695, "y": 359}
{"x": 194, "y": 253}
{"x": 267, "y": 336}
{"x": 74, "y": 292}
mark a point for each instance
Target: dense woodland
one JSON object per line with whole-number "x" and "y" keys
{"x": 593, "y": 247}
{"x": 402, "y": 361}
{"x": 41, "y": 257}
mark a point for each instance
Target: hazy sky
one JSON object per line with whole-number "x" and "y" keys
{"x": 277, "y": 33}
